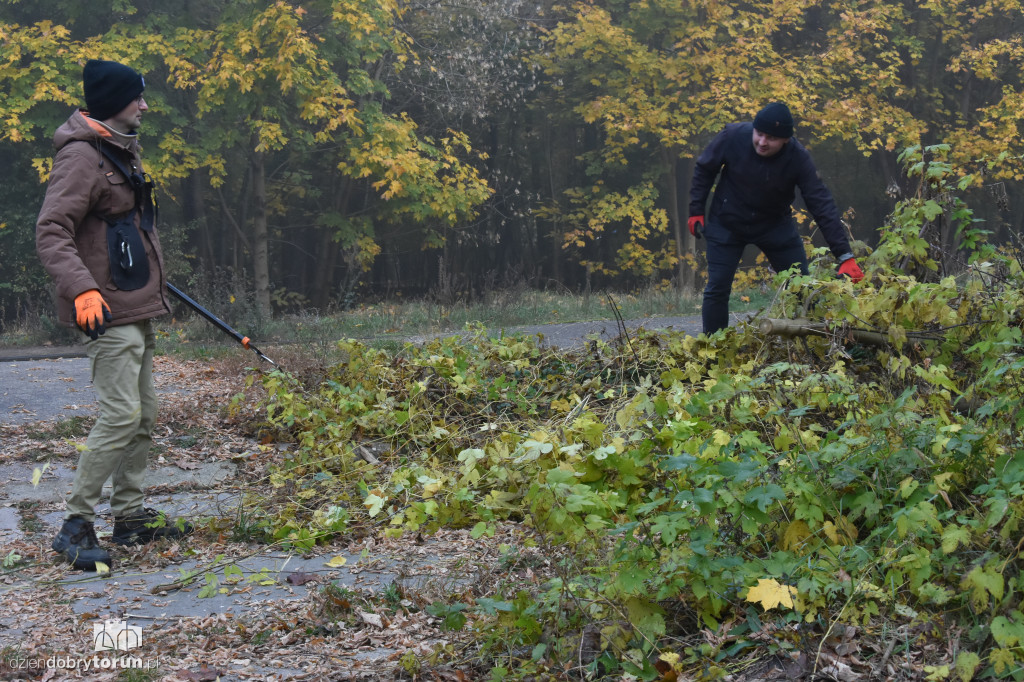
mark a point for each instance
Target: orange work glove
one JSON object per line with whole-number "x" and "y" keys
{"x": 849, "y": 268}
{"x": 92, "y": 313}
{"x": 696, "y": 225}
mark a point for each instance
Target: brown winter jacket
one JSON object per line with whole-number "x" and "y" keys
{"x": 71, "y": 235}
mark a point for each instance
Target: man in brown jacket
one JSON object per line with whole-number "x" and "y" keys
{"x": 96, "y": 237}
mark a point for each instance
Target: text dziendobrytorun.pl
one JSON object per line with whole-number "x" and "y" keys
{"x": 83, "y": 663}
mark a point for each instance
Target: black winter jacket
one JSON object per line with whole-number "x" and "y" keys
{"x": 755, "y": 194}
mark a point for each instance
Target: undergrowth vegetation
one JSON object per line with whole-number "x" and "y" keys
{"x": 717, "y": 498}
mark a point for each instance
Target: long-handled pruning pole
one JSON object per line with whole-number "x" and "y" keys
{"x": 217, "y": 322}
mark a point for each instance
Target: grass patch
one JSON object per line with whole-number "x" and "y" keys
{"x": 387, "y": 325}
{"x": 74, "y": 427}
{"x": 39, "y": 331}
{"x": 136, "y": 675}
{"x": 397, "y": 320}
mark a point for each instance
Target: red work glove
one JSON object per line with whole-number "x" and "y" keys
{"x": 696, "y": 225}
{"x": 92, "y": 313}
{"x": 849, "y": 268}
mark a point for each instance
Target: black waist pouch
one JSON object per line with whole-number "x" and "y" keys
{"x": 129, "y": 264}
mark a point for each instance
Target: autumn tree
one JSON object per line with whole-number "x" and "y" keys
{"x": 296, "y": 144}
{"x": 276, "y": 107}
{"x": 613, "y": 66}
{"x": 471, "y": 70}
{"x": 312, "y": 96}
{"x": 656, "y": 79}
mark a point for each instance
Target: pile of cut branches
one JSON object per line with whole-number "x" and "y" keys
{"x": 833, "y": 507}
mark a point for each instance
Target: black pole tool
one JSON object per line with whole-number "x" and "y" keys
{"x": 217, "y": 322}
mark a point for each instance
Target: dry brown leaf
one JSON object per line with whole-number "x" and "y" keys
{"x": 372, "y": 619}
{"x": 301, "y": 578}
{"x": 203, "y": 674}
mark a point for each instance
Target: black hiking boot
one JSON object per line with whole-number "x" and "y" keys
{"x": 147, "y": 525}
{"x": 77, "y": 541}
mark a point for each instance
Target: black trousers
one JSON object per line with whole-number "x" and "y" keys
{"x": 781, "y": 244}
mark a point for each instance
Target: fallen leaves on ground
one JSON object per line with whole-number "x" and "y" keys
{"x": 260, "y": 639}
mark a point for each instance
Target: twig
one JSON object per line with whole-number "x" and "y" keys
{"x": 577, "y": 409}
{"x": 623, "y": 330}
{"x": 877, "y": 670}
{"x": 231, "y": 219}
{"x": 184, "y": 581}
{"x": 366, "y": 455}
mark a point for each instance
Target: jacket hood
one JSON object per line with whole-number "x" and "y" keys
{"x": 80, "y": 127}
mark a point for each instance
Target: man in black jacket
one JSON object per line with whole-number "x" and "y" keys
{"x": 760, "y": 165}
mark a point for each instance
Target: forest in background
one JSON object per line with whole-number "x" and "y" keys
{"x": 312, "y": 155}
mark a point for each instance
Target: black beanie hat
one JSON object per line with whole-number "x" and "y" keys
{"x": 109, "y": 87}
{"x": 775, "y": 120}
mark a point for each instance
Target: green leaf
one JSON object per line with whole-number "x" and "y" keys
{"x": 1002, "y": 660}
{"x": 233, "y": 574}
{"x": 560, "y": 477}
{"x": 647, "y": 617}
{"x": 374, "y": 504}
{"x": 932, "y": 210}
{"x": 632, "y": 579}
{"x": 480, "y": 529}
{"x": 211, "y": 588}
{"x": 490, "y": 606}
{"x": 738, "y": 472}
{"x": 765, "y": 496}
{"x": 967, "y": 663}
{"x": 1007, "y": 633}
{"x": 11, "y": 560}
{"x": 953, "y": 536}
{"x": 451, "y": 615}
{"x": 984, "y": 582}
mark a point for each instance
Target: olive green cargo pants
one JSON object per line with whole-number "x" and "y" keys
{"x": 119, "y": 443}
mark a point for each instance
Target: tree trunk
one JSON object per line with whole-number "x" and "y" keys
{"x": 326, "y": 260}
{"x": 685, "y": 243}
{"x": 260, "y": 237}
{"x": 328, "y": 251}
{"x": 555, "y": 233}
{"x": 194, "y": 210}
{"x": 674, "y": 217}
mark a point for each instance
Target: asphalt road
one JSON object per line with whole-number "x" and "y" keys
{"x": 35, "y": 390}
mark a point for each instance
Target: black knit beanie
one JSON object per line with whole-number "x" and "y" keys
{"x": 109, "y": 87}
{"x": 775, "y": 120}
